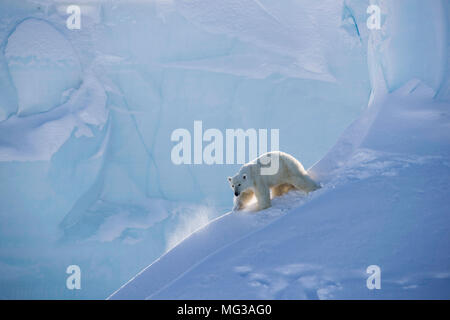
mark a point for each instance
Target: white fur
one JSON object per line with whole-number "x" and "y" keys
{"x": 249, "y": 181}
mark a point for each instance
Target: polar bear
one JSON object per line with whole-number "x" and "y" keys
{"x": 252, "y": 181}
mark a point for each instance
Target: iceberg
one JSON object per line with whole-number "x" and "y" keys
{"x": 86, "y": 117}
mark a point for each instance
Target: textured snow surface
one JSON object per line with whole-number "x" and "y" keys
{"x": 39, "y": 137}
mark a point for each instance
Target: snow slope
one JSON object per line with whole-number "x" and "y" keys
{"x": 385, "y": 204}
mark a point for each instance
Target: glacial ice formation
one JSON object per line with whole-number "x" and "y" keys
{"x": 86, "y": 116}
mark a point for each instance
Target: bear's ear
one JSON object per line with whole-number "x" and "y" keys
{"x": 244, "y": 176}
{"x": 229, "y": 179}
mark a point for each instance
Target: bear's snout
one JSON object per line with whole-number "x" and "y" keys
{"x": 236, "y": 193}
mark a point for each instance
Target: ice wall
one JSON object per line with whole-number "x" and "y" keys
{"x": 410, "y": 47}
{"x": 412, "y": 42}
{"x": 86, "y": 115}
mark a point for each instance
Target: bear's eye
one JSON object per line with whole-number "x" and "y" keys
{"x": 244, "y": 176}
{"x": 239, "y": 185}
{"x": 232, "y": 185}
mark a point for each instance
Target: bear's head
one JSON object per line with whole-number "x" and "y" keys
{"x": 240, "y": 182}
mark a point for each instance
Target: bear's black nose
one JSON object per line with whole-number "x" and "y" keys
{"x": 236, "y": 193}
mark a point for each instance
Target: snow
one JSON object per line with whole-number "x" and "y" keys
{"x": 86, "y": 118}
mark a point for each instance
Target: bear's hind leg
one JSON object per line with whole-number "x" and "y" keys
{"x": 281, "y": 189}
{"x": 305, "y": 183}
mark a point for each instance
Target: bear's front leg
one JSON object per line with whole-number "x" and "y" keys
{"x": 237, "y": 203}
{"x": 263, "y": 197}
{"x": 241, "y": 200}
